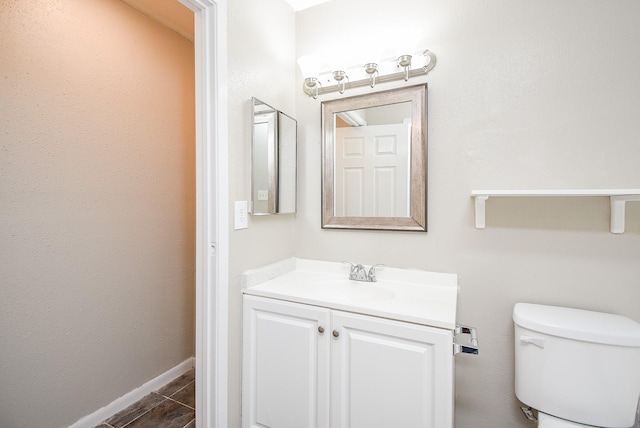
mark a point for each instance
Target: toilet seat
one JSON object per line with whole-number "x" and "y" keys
{"x": 548, "y": 421}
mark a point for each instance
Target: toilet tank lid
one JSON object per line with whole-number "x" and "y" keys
{"x": 578, "y": 324}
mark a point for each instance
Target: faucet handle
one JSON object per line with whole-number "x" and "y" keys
{"x": 353, "y": 270}
{"x": 372, "y": 272}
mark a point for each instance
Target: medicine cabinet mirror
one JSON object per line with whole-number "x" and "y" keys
{"x": 273, "y": 181}
{"x": 374, "y": 164}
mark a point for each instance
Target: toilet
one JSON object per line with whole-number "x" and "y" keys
{"x": 577, "y": 368}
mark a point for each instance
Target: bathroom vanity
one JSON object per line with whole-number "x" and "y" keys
{"x": 321, "y": 350}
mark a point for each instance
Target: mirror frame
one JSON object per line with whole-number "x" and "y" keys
{"x": 417, "y": 220}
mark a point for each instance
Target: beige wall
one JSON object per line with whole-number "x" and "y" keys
{"x": 97, "y": 206}
{"x": 261, "y": 64}
{"x": 527, "y": 94}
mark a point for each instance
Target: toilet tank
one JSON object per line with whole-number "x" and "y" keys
{"x": 578, "y": 365}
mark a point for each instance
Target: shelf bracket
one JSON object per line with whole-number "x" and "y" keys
{"x": 618, "y": 205}
{"x": 481, "y": 202}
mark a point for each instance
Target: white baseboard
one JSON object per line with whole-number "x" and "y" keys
{"x": 129, "y": 398}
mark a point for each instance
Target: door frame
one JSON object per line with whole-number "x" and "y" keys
{"x": 212, "y": 213}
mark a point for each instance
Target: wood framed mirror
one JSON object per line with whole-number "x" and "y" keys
{"x": 374, "y": 161}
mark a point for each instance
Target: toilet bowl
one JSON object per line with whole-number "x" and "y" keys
{"x": 577, "y": 368}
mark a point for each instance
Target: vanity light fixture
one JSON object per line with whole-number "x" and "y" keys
{"x": 369, "y": 74}
{"x": 404, "y": 61}
{"x": 352, "y": 118}
{"x": 339, "y": 76}
{"x": 371, "y": 69}
{"x": 311, "y": 86}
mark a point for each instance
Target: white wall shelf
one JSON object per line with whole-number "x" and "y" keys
{"x": 617, "y": 197}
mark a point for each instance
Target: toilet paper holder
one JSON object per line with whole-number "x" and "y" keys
{"x": 465, "y": 348}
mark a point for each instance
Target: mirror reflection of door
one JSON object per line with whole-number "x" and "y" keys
{"x": 372, "y": 158}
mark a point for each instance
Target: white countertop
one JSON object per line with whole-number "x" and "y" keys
{"x": 417, "y": 296}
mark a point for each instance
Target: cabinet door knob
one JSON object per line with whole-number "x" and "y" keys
{"x": 335, "y": 333}
{"x": 321, "y": 329}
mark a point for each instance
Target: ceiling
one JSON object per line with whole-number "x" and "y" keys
{"x": 304, "y": 4}
{"x": 173, "y": 14}
{"x": 170, "y": 13}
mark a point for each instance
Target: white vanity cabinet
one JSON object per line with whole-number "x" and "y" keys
{"x": 311, "y": 366}
{"x": 285, "y": 364}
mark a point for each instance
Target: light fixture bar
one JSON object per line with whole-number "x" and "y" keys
{"x": 383, "y": 78}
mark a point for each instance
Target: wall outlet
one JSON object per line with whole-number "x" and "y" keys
{"x": 241, "y": 215}
{"x": 263, "y": 195}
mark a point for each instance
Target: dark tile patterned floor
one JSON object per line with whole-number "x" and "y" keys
{"x": 172, "y": 406}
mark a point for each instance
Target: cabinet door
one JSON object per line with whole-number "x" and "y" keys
{"x": 390, "y": 374}
{"x": 285, "y": 365}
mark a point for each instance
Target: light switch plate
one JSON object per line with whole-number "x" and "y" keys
{"x": 241, "y": 215}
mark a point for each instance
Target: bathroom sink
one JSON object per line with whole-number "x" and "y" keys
{"x": 427, "y": 298}
{"x": 345, "y": 290}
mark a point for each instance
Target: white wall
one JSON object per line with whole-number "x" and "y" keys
{"x": 526, "y": 94}
{"x": 261, "y": 64}
{"x": 97, "y": 206}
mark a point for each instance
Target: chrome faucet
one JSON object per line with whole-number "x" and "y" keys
{"x": 359, "y": 273}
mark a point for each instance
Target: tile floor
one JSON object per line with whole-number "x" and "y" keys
{"x": 172, "y": 406}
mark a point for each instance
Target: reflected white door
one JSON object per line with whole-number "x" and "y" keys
{"x": 372, "y": 171}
